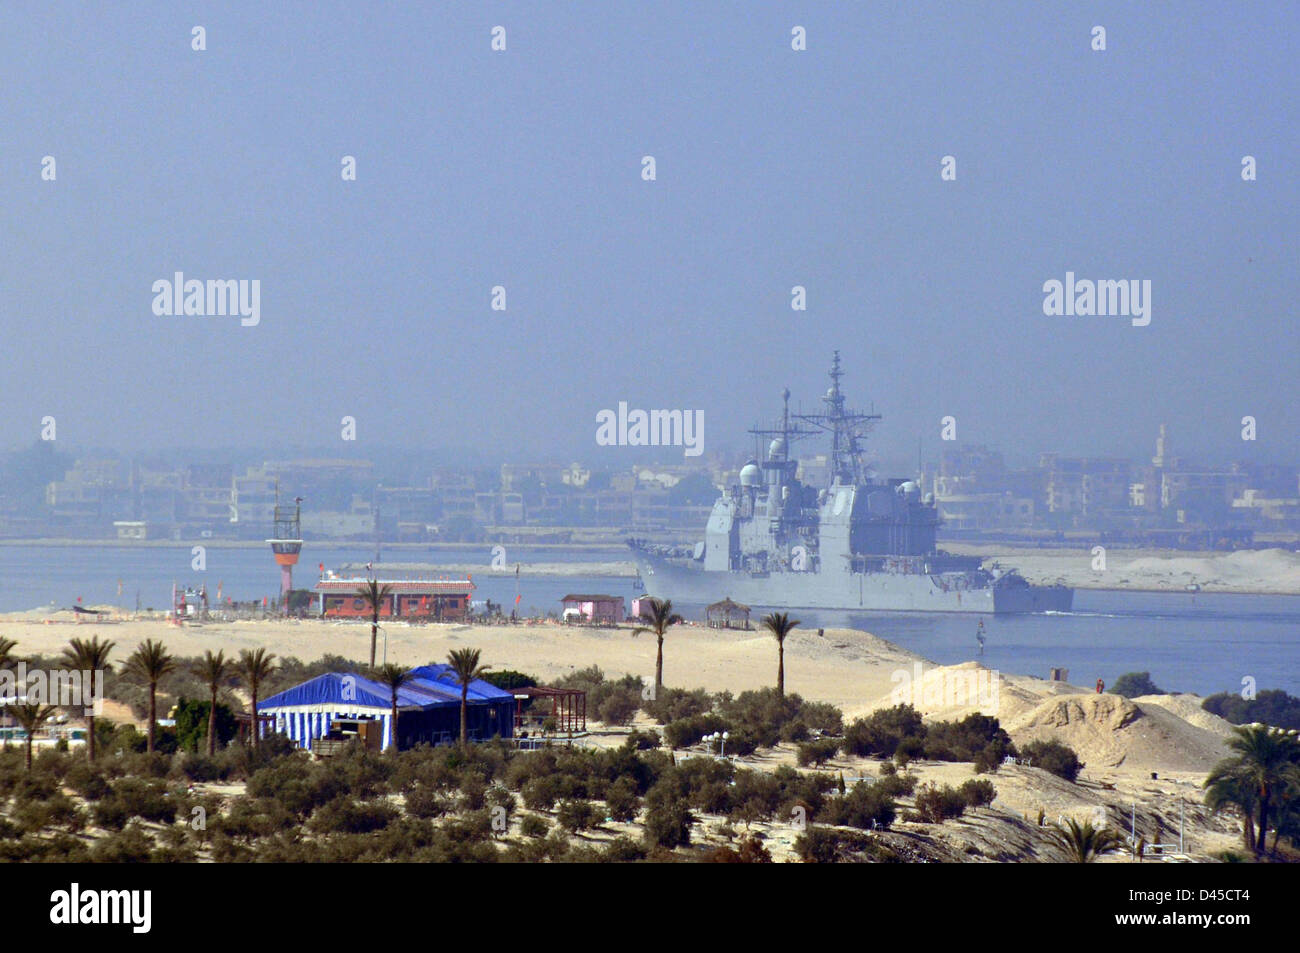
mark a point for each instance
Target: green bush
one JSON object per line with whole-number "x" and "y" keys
{"x": 1269, "y": 707}
{"x": 688, "y": 731}
{"x": 345, "y": 815}
{"x": 619, "y": 707}
{"x": 578, "y": 815}
{"x": 674, "y": 704}
{"x": 824, "y": 845}
{"x": 935, "y": 804}
{"x": 1053, "y": 756}
{"x": 667, "y": 819}
{"x": 977, "y": 793}
{"x": 192, "y": 724}
{"x": 533, "y": 826}
{"x": 621, "y": 800}
{"x": 881, "y": 732}
{"x": 817, "y": 752}
{"x": 866, "y": 806}
{"x": 1133, "y": 684}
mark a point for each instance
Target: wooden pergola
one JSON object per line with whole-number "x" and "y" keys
{"x": 727, "y": 615}
{"x": 568, "y": 708}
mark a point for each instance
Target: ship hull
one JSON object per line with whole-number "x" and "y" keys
{"x": 845, "y": 591}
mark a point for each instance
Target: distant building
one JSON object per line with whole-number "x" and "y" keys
{"x": 598, "y": 608}
{"x": 440, "y": 600}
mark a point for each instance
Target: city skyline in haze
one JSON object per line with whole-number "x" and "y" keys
{"x": 775, "y": 169}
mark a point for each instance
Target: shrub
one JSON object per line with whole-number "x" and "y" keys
{"x": 540, "y": 794}
{"x": 621, "y": 800}
{"x": 868, "y": 806}
{"x": 1053, "y": 756}
{"x": 978, "y": 793}
{"x": 577, "y": 815}
{"x": 1270, "y": 707}
{"x": 507, "y": 679}
{"x": 881, "y": 732}
{"x": 643, "y": 740}
{"x": 192, "y": 724}
{"x": 87, "y": 780}
{"x": 667, "y": 820}
{"x": 619, "y": 708}
{"x": 623, "y": 850}
{"x": 688, "y": 731}
{"x": 130, "y": 846}
{"x": 674, "y": 704}
{"x": 1133, "y": 684}
{"x": 967, "y": 739}
{"x": 533, "y": 826}
{"x": 817, "y": 752}
{"x": 935, "y": 804}
{"x": 824, "y": 845}
{"x": 426, "y": 802}
{"x": 344, "y": 815}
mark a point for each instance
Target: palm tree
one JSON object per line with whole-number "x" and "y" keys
{"x": 31, "y": 716}
{"x": 255, "y": 667}
{"x": 779, "y": 624}
{"x": 1267, "y": 762}
{"x": 1082, "y": 843}
{"x": 214, "y": 669}
{"x": 1223, "y": 791}
{"x": 658, "y": 617}
{"x": 7, "y": 657}
{"x": 394, "y": 676}
{"x": 465, "y": 665}
{"x": 89, "y": 655}
{"x": 374, "y": 595}
{"x": 149, "y": 663}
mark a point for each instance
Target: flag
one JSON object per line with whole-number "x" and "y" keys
{"x": 517, "y": 598}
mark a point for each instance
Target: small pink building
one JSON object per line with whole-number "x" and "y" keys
{"x": 640, "y": 606}
{"x": 609, "y": 609}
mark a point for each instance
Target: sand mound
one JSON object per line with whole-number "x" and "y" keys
{"x": 1262, "y": 569}
{"x": 951, "y": 692}
{"x": 1109, "y": 731}
{"x": 1188, "y": 708}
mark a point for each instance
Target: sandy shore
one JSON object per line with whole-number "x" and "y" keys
{"x": 1263, "y": 571}
{"x": 855, "y": 671}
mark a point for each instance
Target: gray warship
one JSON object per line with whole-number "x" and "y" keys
{"x": 859, "y": 544}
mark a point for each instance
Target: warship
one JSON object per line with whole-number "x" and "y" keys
{"x": 856, "y": 544}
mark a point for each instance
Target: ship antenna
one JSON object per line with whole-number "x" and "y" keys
{"x": 785, "y": 418}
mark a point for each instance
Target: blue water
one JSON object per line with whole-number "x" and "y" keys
{"x": 1200, "y": 642}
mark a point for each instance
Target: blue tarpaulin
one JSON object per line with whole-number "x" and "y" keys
{"x": 305, "y": 711}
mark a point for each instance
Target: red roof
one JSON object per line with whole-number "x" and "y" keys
{"x": 350, "y": 586}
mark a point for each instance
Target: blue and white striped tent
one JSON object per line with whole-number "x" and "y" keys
{"x": 305, "y": 712}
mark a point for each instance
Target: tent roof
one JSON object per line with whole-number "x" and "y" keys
{"x": 431, "y": 685}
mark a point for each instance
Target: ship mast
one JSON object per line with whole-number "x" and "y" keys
{"x": 847, "y": 429}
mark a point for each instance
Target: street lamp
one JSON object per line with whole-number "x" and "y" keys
{"x": 720, "y": 737}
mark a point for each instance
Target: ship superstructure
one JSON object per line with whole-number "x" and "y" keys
{"x": 858, "y": 543}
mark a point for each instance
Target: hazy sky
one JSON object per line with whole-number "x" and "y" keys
{"x": 775, "y": 168}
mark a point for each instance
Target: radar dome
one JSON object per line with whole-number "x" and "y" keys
{"x": 749, "y": 475}
{"x": 776, "y": 448}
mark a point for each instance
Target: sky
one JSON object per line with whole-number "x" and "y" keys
{"x": 774, "y": 168}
